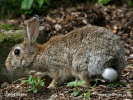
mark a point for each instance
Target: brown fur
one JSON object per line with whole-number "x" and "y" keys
{"x": 82, "y": 53}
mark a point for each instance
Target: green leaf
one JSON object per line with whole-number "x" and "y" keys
{"x": 31, "y": 82}
{"x": 39, "y": 80}
{"x": 40, "y": 2}
{"x": 75, "y": 93}
{"x": 84, "y": 95}
{"x": 24, "y": 81}
{"x": 111, "y": 85}
{"x": 35, "y": 91}
{"x": 35, "y": 81}
{"x": 28, "y": 12}
{"x": 104, "y": 1}
{"x": 128, "y": 90}
{"x": 81, "y": 82}
{"x": 30, "y": 78}
{"x": 42, "y": 83}
{"x": 26, "y": 4}
{"x": 117, "y": 84}
{"x": 31, "y": 89}
{"x": 74, "y": 83}
{"x": 47, "y": 2}
{"x": 121, "y": 83}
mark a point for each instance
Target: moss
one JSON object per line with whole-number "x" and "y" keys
{"x": 8, "y": 27}
{"x": 15, "y": 38}
{"x": 8, "y": 40}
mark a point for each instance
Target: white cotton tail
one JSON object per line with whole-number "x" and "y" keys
{"x": 110, "y": 74}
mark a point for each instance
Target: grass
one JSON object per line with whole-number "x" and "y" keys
{"x": 8, "y": 27}
{"x": 120, "y": 83}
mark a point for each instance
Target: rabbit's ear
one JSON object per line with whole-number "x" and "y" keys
{"x": 33, "y": 29}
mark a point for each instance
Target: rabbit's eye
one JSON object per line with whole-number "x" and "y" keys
{"x": 17, "y": 52}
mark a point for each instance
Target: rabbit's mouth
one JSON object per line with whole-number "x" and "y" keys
{"x": 9, "y": 66}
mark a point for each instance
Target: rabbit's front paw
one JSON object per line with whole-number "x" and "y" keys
{"x": 52, "y": 84}
{"x": 85, "y": 78}
{"x": 86, "y": 85}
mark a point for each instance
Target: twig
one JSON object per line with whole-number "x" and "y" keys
{"x": 129, "y": 22}
{"x": 18, "y": 80}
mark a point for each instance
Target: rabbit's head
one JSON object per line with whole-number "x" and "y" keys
{"x": 23, "y": 54}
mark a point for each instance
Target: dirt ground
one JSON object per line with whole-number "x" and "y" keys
{"x": 117, "y": 18}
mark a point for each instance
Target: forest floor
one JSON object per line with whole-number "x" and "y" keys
{"x": 117, "y": 18}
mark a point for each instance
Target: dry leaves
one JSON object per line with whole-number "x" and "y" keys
{"x": 63, "y": 20}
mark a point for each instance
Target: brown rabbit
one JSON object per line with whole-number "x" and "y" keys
{"x": 82, "y": 53}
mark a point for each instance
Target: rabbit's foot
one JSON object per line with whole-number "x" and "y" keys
{"x": 86, "y": 84}
{"x": 52, "y": 84}
{"x": 85, "y": 78}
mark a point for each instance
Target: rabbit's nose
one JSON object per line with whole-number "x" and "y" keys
{"x": 8, "y": 66}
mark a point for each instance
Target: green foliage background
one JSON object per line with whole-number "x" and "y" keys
{"x": 15, "y": 8}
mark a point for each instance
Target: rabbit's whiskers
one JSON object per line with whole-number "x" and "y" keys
{"x": 12, "y": 76}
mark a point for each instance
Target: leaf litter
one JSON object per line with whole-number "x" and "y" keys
{"x": 118, "y": 19}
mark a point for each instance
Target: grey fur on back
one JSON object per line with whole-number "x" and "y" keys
{"x": 90, "y": 48}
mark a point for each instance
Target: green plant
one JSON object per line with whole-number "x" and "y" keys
{"x": 130, "y": 2}
{"x": 27, "y": 4}
{"x": 128, "y": 90}
{"x": 76, "y": 85}
{"x": 88, "y": 93}
{"x": 15, "y": 8}
{"x": 117, "y": 84}
{"x": 105, "y": 2}
{"x": 9, "y": 8}
{"x": 8, "y": 27}
{"x": 34, "y": 82}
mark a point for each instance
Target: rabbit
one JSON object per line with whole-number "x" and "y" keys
{"x": 82, "y": 53}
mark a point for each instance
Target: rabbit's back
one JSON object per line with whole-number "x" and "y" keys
{"x": 93, "y": 38}
{"x": 83, "y": 49}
